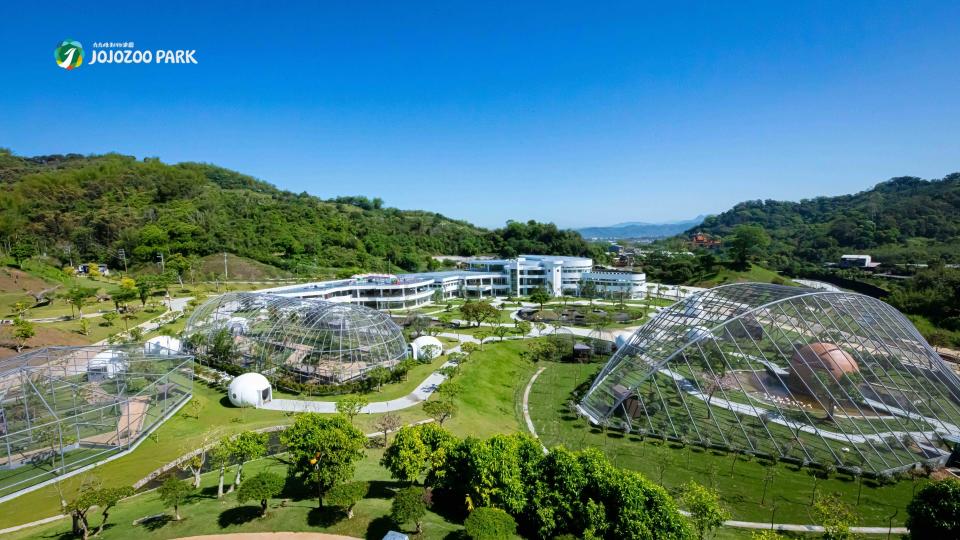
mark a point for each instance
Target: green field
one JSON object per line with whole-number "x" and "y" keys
{"x": 757, "y": 274}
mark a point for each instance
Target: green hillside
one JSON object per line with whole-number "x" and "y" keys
{"x": 81, "y": 208}
{"x": 903, "y": 220}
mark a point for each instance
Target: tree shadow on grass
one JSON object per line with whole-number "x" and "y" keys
{"x": 157, "y": 522}
{"x": 238, "y": 516}
{"x": 379, "y": 489}
{"x": 379, "y": 528}
{"x": 324, "y": 517}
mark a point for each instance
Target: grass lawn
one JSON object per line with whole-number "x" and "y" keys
{"x": 204, "y": 514}
{"x": 755, "y": 273}
{"x": 493, "y": 380}
{"x": 740, "y": 484}
{"x": 96, "y": 332}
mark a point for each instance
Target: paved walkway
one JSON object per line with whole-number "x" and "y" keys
{"x": 420, "y": 394}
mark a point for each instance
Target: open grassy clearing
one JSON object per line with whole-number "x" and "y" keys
{"x": 740, "y": 483}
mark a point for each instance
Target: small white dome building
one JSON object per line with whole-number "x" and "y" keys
{"x": 249, "y": 390}
{"x": 426, "y": 348}
{"x": 162, "y": 345}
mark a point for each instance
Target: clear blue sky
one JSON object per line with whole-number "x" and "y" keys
{"x": 578, "y": 113}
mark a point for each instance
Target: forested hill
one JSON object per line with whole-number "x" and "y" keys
{"x": 90, "y": 207}
{"x": 905, "y": 219}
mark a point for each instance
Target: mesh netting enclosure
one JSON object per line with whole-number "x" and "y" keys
{"x": 826, "y": 378}
{"x": 63, "y": 408}
{"x": 308, "y": 340}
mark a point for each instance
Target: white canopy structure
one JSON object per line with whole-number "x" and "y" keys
{"x": 250, "y": 390}
{"x": 425, "y": 348}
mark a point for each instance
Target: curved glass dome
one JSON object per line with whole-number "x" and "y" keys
{"x": 832, "y": 378}
{"x": 307, "y": 340}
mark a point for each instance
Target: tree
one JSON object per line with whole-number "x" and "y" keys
{"x": 469, "y": 347}
{"x": 21, "y": 251}
{"x": 481, "y": 336}
{"x": 123, "y": 296}
{"x": 323, "y": 449}
{"x": 835, "y": 516}
{"x": 145, "y": 287}
{"x": 77, "y": 297}
{"x": 747, "y": 242}
{"x": 490, "y": 524}
{"x": 261, "y": 487}
{"x": 406, "y": 458}
{"x": 588, "y": 289}
{"x": 766, "y": 534}
{"x": 387, "y": 423}
{"x": 522, "y": 327}
{"x": 173, "y": 493}
{"x": 195, "y": 465}
{"x": 180, "y": 265}
{"x": 109, "y": 318}
{"x": 92, "y": 494}
{"x": 501, "y": 332}
{"x": 703, "y": 503}
{"x": 378, "y": 376}
{"x": 351, "y": 405}
{"x": 540, "y": 296}
{"x": 247, "y": 446}
{"x": 23, "y": 330}
{"x": 440, "y": 410}
{"x": 93, "y": 270}
{"x": 221, "y": 456}
{"x": 409, "y": 505}
{"x": 478, "y": 311}
{"x": 449, "y": 389}
{"x": 347, "y": 495}
{"x": 934, "y": 511}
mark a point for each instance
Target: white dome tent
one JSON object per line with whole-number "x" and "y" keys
{"x": 250, "y": 390}
{"x": 162, "y": 345}
{"x": 426, "y": 348}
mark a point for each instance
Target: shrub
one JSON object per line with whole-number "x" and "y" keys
{"x": 490, "y": 524}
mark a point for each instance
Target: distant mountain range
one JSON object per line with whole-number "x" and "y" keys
{"x": 640, "y": 229}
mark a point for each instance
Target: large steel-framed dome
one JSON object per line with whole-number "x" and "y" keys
{"x": 307, "y": 340}
{"x": 832, "y": 378}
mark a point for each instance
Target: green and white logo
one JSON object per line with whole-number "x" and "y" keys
{"x": 69, "y": 54}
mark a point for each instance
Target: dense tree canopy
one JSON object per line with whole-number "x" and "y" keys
{"x": 899, "y": 220}
{"x": 88, "y": 208}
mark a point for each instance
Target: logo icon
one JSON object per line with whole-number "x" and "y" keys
{"x": 69, "y": 54}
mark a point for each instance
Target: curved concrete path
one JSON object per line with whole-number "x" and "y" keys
{"x": 420, "y": 394}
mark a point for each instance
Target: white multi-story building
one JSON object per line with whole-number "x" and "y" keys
{"x": 482, "y": 278}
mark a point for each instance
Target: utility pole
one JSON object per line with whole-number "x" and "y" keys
{"x": 123, "y": 255}
{"x": 163, "y": 267}
{"x": 225, "y": 274}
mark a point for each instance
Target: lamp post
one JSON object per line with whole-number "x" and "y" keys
{"x": 315, "y": 461}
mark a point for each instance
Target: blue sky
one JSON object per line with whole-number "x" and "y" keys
{"x": 577, "y": 113}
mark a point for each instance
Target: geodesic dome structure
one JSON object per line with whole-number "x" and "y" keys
{"x": 303, "y": 339}
{"x": 63, "y": 408}
{"x": 831, "y": 378}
